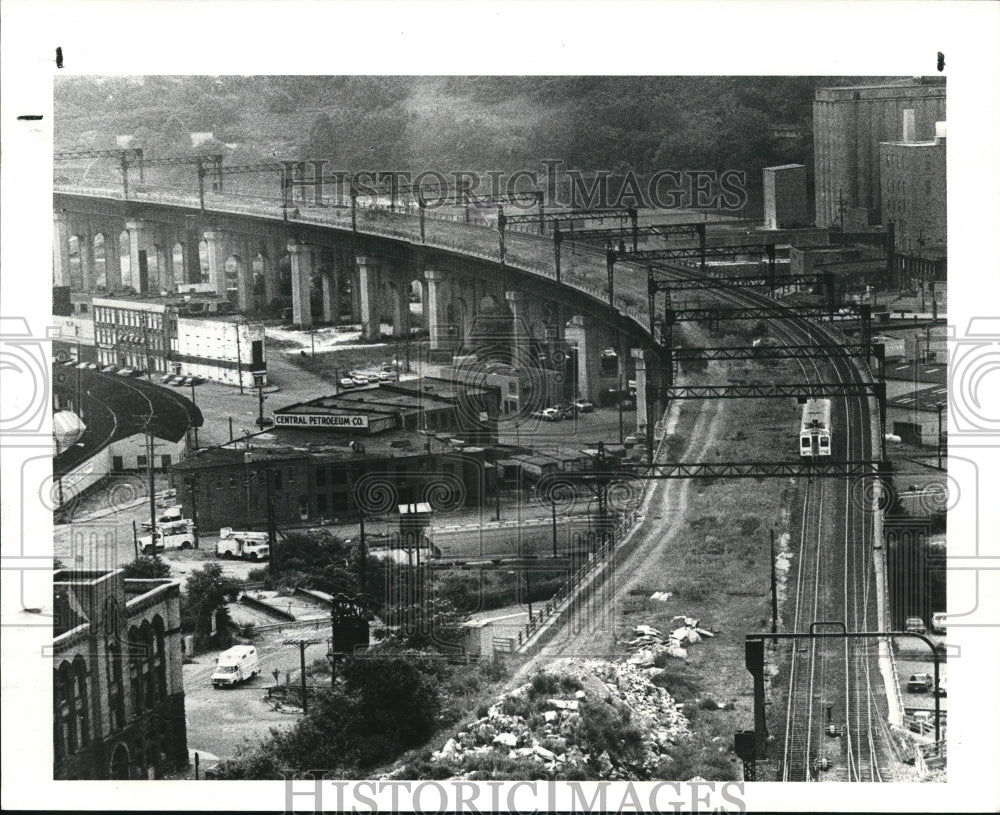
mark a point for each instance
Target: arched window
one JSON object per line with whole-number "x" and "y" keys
{"x": 81, "y": 699}
{"x": 65, "y": 715}
{"x": 136, "y": 657}
{"x": 160, "y": 659}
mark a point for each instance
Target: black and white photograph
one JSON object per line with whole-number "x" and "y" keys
{"x": 578, "y": 427}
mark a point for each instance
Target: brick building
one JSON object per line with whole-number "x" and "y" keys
{"x": 189, "y": 335}
{"x": 849, "y": 124}
{"x": 118, "y": 692}
{"x": 419, "y": 441}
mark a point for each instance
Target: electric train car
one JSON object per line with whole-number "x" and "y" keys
{"x": 506, "y": 540}
{"x": 814, "y": 437}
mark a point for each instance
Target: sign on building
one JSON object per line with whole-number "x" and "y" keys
{"x": 353, "y": 421}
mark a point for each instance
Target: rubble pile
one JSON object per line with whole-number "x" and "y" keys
{"x": 650, "y": 643}
{"x": 572, "y": 731}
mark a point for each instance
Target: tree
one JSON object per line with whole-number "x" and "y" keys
{"x": 205, "y": 598}
{"x": 386, "y": 705}
{"x": 146, "y": 568}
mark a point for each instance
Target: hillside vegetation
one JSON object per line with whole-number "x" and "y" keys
{"x": 501, "y": 123}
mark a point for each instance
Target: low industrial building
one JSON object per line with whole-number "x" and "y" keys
{"x": 118, "y": 692}
{"x": 919, "y": 417}
{"x": 344, "y": 455}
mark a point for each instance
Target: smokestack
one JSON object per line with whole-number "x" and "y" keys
{"x": 909, "y": 126}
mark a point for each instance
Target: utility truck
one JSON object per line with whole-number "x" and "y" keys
{"x": 173, "y": 535}
{"x": 244, "y": 545}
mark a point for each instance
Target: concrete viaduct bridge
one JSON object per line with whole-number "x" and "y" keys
{"x": 154, "y": 242}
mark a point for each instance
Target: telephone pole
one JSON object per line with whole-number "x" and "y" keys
{"x": 303, "y": 644}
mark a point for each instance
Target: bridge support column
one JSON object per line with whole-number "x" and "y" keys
{"x": 138, "y": 251}
{"x": 302, "y": 260}
{"x": 368, "y": 291}
{"x": 355, "y": 295}
{"x": 436, "y": 308}
{"x": 112, "y": 260}
{"x": 582, "y": 333}
{"x": 647, "y": 389}
{"x": 87, "y": 274}
{"x": 331, "y": 299}
{"x": 60, "y": 250}
{"x": 518, "y": 303}
{"x": 192, "y": 251}
{"x": 217, "y": 261}
{"x": 400, "y": 307}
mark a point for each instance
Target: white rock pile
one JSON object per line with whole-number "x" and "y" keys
{"x": 553, "y": 732}
{"x": 649, "y": 643}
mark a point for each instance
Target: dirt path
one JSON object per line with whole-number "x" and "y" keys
{"x": 597, "y": 628}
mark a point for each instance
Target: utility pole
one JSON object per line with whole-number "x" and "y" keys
{"x": 774, "y": 591}
{"x": 135, "y": 541}
{"x": 196, "y": 426}
{"x": 302, "y": 644}
{"x": 239, "y": 364}
{"x": 260, "y": 402}
{"x": 555, "y": 551}
{"x": 621, "y": 415}
{"x": 272, "y": 529}
{"x": 192, "y": 482}
{"x": 364, "y": 560}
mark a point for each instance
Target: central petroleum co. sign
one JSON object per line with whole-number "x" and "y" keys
{"x": 322, "y": 420}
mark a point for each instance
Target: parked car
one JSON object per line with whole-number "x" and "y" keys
{"x": 552, "y": 415}
{"x": 938, "y": 622}
{"x": 916, "y": 625}
{"x": 919, "y": 683}
{"x": 346, "y": 382}
{"x": 583, "y": 406}
{"x": 264, "y": 421}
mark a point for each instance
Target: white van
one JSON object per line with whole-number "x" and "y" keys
{"x": 939, "y": 623}
{"x": 238, "y": 664}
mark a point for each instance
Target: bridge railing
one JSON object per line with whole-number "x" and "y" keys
{"x": 584, "y": 267}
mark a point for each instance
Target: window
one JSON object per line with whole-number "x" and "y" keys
{"x": 320, "y": 476}
{"x": 232, "y": 480}
{"x": 218, "y": 481}
{"x": 117, "y": 464}
{"x": 165, "y": 462}
{"x": 320, "y": 503}
{"x": 140, "y": 461}
{"x": 83, "y": 308}
{"x": 290, "y": 474}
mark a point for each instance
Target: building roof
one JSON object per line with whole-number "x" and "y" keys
{"x": 928, "y": 373}
{"x": 925, "y": 399}
{"x": 907, "y": 90}
{"x": 291, "y": 445}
